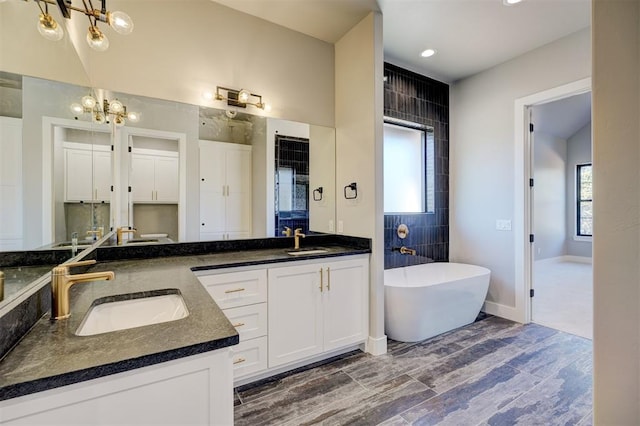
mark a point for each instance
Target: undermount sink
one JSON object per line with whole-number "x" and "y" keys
{"x": 132, "y": 310}
{"x": 306, "y": 251}
{"x": 67, "y": 244}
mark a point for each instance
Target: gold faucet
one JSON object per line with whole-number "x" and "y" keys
{"x": 406, "y": 250}
{"x": 97, "y": 233}
{"x": 297, "y": 234}
{"x": 287, "y": 231}
{"x": 123, "y": 230}
{"x": 61, "y": 282}
{"x": 1, "y": 286}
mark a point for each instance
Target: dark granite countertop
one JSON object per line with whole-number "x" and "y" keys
{"x": 16, "y": 278}
{"x": 51, "y": 355}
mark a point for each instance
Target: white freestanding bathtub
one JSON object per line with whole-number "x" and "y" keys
{"x": 423, "y": 301}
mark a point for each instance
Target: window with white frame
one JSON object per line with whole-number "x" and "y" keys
{"x": 584, "y": 206}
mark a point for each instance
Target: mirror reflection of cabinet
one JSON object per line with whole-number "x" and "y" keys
{"x": 87, "y": 172}
{"x": 154, "y": 176}
{"x": 10, "y": 183}
{"x": 225, "y": 191}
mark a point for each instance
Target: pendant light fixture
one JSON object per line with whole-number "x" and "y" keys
{"x": 115, "y": 108}
{"x": 97, "y": 40}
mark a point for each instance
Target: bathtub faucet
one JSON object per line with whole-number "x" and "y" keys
{"x": 405, "y": 250}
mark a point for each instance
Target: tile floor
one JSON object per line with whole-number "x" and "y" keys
{"x": 564, "y": 296}
{"x": 491, "y": 372}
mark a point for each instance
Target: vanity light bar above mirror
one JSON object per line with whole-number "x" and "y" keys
{"x": 239, "y": 98}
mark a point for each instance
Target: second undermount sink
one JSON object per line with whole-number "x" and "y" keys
{"x": 132, "y": 310}
{"x": 142, "y": 240}
{"x": 307, "y": 251}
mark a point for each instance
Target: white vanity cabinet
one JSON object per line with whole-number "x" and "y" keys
{"x": 154, "y": 176}
{"x": 192, "y": 390}
{"x": 317, "y": 308}
{"x": 11, "y": 233}
{"x": 87, "y": 172}
{"x": 283, "y": 316}
{"x": 225, "y": 191}
{"x": 242, "y": 296}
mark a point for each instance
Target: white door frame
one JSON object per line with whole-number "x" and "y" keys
{"x": 522, "y": 199}
{"x": 121, "y": 151}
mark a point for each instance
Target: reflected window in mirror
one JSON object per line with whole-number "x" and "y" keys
{"x": 292, "y": 183}
{"x": 409, "y": 172}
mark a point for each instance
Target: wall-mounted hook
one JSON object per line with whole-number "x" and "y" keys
{"x": 318, "y": 191}
{"x": 353, "y": 187}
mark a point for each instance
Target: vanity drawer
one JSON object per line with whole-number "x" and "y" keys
{"x": 249, "y": 357}
{"x": 250, "y": 321}
{"x": 237, "y": 288}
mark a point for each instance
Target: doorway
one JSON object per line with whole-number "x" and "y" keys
{"x": 523, "y": 226}
{"x": 561, "y": 203}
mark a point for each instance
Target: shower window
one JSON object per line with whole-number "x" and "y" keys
{"x": 584, "y": 206}
{"x": 408, "y": 169}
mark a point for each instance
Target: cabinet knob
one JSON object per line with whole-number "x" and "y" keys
{"x": 203, "y": 224}
{"x": 202, "y": 179}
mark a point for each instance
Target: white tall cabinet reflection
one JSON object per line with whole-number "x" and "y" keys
{"x": 11, "y": 231}
{"x": 225, "y": 191}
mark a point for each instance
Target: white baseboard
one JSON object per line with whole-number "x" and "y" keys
{"x": 565, "y": 258}
{"x": 376, "y": 345}
{"x": 502, "y": 311}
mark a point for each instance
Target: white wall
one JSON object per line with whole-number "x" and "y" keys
{"x": 616, "y": 241}
{"x": 578, "y": 152}
{"x": 482, "y": 153}
{"x": 550, "y": 196}
{"x": 179, "y": 49}
{"x": 24, "y": 51}
{"x": 359, "y": 103}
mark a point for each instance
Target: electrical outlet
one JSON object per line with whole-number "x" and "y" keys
{"x": 503, "y": 225}
{"x": 331, "y": 225}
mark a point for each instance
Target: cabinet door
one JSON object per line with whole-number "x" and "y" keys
{"x": 295, "y": 313}
{"x": 78, "y": 168}
{"x": 212, "y": 212}
{"x": 102, "y": 176}
{"x": 238, "y": 203}
{"x": 166, "y": 179}
{"x": 345, "y": 303}
{"x": 10, "y": 183}
{"x": 212, "y": 167}
{"x": 142, "y": 178}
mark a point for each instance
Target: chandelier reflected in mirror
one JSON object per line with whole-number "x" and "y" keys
{"x": 100, "y": 113}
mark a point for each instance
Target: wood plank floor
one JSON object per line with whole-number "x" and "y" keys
{"x": 491, "y": 372}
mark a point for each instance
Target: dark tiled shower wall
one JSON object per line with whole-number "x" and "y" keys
{"x": 419, "y": 99}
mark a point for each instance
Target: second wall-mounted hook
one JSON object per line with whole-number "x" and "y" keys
{"x": 354, "y": 189}
{"x": 317, "y": 191}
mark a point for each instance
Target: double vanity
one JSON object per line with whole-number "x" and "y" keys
{"x": 179, "y": 324}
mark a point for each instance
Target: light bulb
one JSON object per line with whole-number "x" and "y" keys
{"x": 134, "y": 117}
{"x": 98, "y": 118}
{"x": 76, "y": 108}
{"x": 208, "y": 96}
{"x": 49, "y": 28}
{"x": 428, "y": 53}
{"x": 243, "y": 96}
{"x": 88, "y": 102}
{"x": 267, "y": 107}
{"x": 120, "y": 22}
{"x": 97, "y": 40}
{"x": 116, "y": 106}
{"x": 119, "y": 121}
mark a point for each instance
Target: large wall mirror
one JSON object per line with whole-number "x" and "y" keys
{"x": 180, "y": 172}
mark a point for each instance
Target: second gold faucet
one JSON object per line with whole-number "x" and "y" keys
{"x": 61, "y": 282}
{"x": 296, "y": 238}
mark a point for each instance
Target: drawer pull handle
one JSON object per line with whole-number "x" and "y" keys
{"x": 240, "y": 324}
{"x": 234, "y": 291}
{"x": 321, "y": 279}
{"x": 239, "y": 361}
{"x": 328, "y": 279}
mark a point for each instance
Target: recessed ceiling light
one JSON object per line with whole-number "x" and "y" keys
{"x": 427, "y": 53}
{"x": 510, "y": 2}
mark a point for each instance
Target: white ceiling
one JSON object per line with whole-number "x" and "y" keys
{"x": 469, "y": 35}
{"x": 564, "y": 117}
